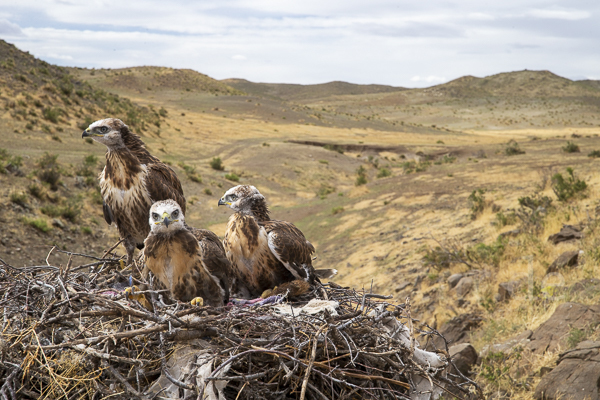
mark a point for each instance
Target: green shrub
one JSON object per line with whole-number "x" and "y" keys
{"x": 69, "y": 211}
{"x": 36, "y": 191}
{"x": 570, "y": 147}
{"x": 361, "y": 178}
{"x": 334, "y": 147}
{"x": 487, "y": 254}
{"x": 217, "y": 164}
{"x": 594, "y": 154}
{"x": 19, "y": 198}
{"x": 232, "y": 177}
{"x": 383, "y": 173}
{"x": 324, "y": 190}
{"x": 324, "y": 161}
{"x": 513, "y": 149}
{"x": 8, "y": 162}
{"x": 86, "y": 230}
{"x": 337, "y": 210}
{"x": 569, "y": 187}
{"x": 190, "y": 172}
{"x": 477, "y": 202}
{"x": 38, "y": 223}
{"x": 49, "y": 171}
{"x": 208, "y": 192}
{"x": 505, "y": 219}
{"x": 52, "y": 114}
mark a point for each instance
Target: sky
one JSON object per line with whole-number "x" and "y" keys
{"x": 393, "y": 42}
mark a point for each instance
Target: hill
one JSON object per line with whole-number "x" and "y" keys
{"x": 285, "y": 91}
{"x": 136, "y": 80}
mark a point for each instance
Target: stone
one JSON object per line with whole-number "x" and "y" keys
{"x": 454, "y": 279}
{"x": 457, "y": 330}
{"x": 575, "y": 377}
{"x": 589, "y": 287}
{"x": 506, "y": 290}
{"x": 566, "y": 259}
{"x": 513, "y": 233}
{"x": 402, "y": 286}
{"x": 520, "y": 340}
{"x": 567, "y": 233}
{"x": 464, "y": 286}
{"x": 464, "y": 356}
{"x": 552, "y": 334}
{"x": 58, "y": 223}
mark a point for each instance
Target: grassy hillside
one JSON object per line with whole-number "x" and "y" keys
{"x": 396, "y": 189}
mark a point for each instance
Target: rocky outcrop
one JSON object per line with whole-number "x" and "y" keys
{"x": 566, "y": 259}
{"x": 552, "y": 334}
{"x": 464, "y": 286}
{"x": 506, "y": 290}
{"x": 464, "y": 356}
{"x": 567, "y": 233}
{"x": 457, "y": 330}
{"x": 575, "y": 377}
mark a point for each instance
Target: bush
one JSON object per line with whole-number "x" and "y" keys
{"x": 570, "y": 147}
{"x": 208, "y": 192}
{"x": 49, "y": 170}
{"x": 594, "y": 154}
{"x": 505, "y": 219}
{"x": 232, "y": 177}
{"x": 384, "y": 173}
{"x": 9, "y": 163}
{"x": 569, "y": 187}
{"x": 19, "y": 198}
{"x": 532, "y": 210}
{"x": 513, "y": 149}
{"x": 477, "y": 202}
{"x": 217, "y": 164}
{"x": 324, "y": 190}
{"x": 337, "y": 210}
{"x": 70, "y": 211}
{"x": 38, "y": 223}
{"x": 52, "y": 114}
{"x": 190, "y": 172}
{"x": 334, "y": 147}
{"x": 487, "y": 254}
{"x": 36, "y": 191}
{"x": 361, "y": 178}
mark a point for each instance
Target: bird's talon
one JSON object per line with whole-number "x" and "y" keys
{"x": 197, "y": 301}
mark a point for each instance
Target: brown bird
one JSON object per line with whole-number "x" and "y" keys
{"x": 190, "y": 262}
{"x": 131, "y": 181}
{"x": 264, "y": 253}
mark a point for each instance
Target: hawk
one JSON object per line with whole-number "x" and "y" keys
{"x": 131, "y": 181}
{"x": 264, "y": 253}
{"x": 190, "y": 262}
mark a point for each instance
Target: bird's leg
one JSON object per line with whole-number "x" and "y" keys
{"x": 129, "y": 244}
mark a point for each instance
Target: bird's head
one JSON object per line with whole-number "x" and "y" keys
{"x": 242, "y": 198}
{"x": 107, "y": 131}
{"x": 166, "y": 216}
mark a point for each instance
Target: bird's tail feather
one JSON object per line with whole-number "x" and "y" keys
{"x": 326, "y": 273}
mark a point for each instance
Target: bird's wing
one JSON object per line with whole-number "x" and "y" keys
{"x": 214, "y": 259}
{"x": 290, "y": 247}
{"x": 108, "y": 215}
{"x": 162, "y": 184}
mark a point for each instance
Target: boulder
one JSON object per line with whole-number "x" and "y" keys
{"x": 575, "y": 377}
{"x": 567, "y": 233}
{"x": 402, "y": 286}
{"x": 454, "y": 279}
{"x": 520, "y": 340}
{"x": 566, "y": 259}
{"x": 457, "y": 330}
{"x": 588, "y": 287}
{"x": 552, "y": 334}
{"x": 464, "y": 356}
{"x": 464, "y": 286}
{"x": 506, "y": 290}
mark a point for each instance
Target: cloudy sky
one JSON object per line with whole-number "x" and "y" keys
{"x": 395, "y": 42}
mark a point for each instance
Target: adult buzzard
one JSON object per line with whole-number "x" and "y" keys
{"x": 131, "y": 181}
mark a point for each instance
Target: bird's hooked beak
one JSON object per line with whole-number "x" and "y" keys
{"x": 222, "y": 202}
{"x": 166, "y": 219}
{"x": 88, "y": 133}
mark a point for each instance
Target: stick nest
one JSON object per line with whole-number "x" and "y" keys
{"x": 69, "y": 333}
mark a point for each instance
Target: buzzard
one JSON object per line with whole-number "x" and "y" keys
{"x": 131, "y": 181}
{"x": 190, "y": 262}
{"x": 264, "y": 253}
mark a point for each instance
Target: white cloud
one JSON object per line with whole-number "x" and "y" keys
{"x": 428, "y": 79}
{"x": 8, "y": 29}
{"x": 569, "y": 15}
{"x": 238, "y": 57}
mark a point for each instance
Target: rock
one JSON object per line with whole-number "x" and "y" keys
{"x": 512, "y": 233}
{"x": 520, "y": 340}
{"x": 402, "y": 286}
{"x": 589, "y": 287}
{"x": 506, "y": 290}
{"x": 552, "y": 334}
{"x": 464, "y": 357}
{"x": 58, "y": 223}
{"x": 566, "y": 259}
{"x": 575, "y": 377}
{"x": 457, "y": 330}
{"x": 454, "y": 279}
{"x": 568, "y": 232}
{"x": 464, "y": 286}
